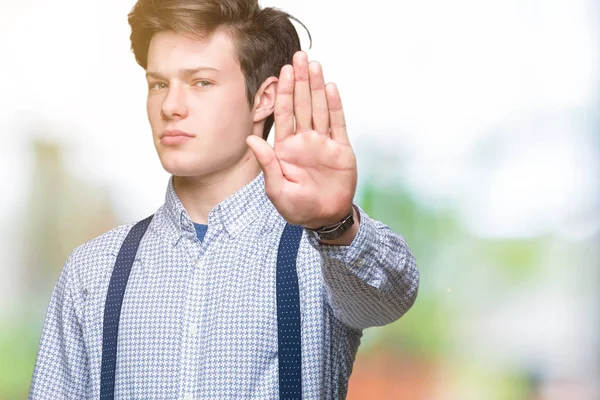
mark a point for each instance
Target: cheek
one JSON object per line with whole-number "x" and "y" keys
{"x": 153, "y": 111}
{"x": 233, "y": 112}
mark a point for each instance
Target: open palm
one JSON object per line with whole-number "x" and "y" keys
{"x": 310, "y": 174}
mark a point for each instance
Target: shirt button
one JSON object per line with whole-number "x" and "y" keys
{"x": 193, "y": 330}
{"x": 199, "y": 263}
{"x": 188, "y": 397}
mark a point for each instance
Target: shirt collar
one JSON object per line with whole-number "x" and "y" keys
{"x": 234, "y": 213}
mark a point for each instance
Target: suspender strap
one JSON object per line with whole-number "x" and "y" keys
{"x": 112, "y": 307}
{"x": 288, "y": 311}
{"x": 288, "y": 315}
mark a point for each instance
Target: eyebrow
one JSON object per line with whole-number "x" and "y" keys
{"x": 185, "y": 72}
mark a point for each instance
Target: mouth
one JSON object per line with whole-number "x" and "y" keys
{"x": 175, "y": 137}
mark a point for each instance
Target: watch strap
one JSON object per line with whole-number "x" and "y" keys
{"x": 332, "y": 232}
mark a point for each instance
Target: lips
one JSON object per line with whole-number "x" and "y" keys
{"x": 175, "y": 137}
{"x": 175, "y": 132}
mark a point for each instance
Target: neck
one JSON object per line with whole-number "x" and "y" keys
{"x": 200, "y": 194}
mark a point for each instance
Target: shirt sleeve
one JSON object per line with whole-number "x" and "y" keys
{"x": 374, "y": 280}
{"x": 61, "y": 368}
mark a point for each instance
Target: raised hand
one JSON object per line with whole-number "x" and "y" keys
{"x": 310, "y": 174}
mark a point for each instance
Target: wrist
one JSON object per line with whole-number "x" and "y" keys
{"x": 330, "y": 221}
{"x": 337, "y": 229}
{"x": 348, "y": 237}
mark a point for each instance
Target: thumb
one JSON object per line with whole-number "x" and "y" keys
{"x": 265, "y": 155}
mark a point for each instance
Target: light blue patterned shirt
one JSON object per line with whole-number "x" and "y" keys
{"x": 199, "y": 318}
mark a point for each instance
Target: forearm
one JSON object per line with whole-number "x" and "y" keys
{"x": 374, "y": 280}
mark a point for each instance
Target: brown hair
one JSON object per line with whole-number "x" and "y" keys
{"x": 265, "y": 39}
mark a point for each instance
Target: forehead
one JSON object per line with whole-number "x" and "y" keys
{"x": 170, "y": 51}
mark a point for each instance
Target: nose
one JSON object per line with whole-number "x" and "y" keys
{"x": 174, "y": 105}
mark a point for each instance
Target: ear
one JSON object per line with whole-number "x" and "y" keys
{"x": 264, "y": 100}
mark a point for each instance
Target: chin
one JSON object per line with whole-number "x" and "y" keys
{"x": 179, "y": 165}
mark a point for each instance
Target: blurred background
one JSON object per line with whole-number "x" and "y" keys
{"x": 477, "y": 131}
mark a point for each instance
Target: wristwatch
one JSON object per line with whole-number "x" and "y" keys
{"x": 332, "y": 232}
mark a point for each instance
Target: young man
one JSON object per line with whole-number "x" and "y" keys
{"x": 210, "y": 310}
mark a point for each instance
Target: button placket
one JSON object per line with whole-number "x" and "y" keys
{"x": 191, "y": 328}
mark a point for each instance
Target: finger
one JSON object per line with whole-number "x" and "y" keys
{"x": 284, "y": 104}
{"x": 269, "y": 163}
{"x": 302, "y": 102}
{"x": 337, "y": 121}
{"x": 320, "y": 111}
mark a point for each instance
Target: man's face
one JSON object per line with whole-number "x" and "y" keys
{"x": 197, "y": 88}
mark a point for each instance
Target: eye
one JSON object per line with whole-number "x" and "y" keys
{"x": 156, "y": 85}
{"x": 203, "y": 83}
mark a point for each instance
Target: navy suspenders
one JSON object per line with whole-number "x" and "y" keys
{"x": 288, "y": 311}
{"x": 288, "y": 314}
{"x": 112, "y": 307}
